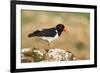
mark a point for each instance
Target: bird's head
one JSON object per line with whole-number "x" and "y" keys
{"x": 61, "y": 27}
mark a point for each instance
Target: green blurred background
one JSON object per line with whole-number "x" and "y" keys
{"x": 76, "y": 40}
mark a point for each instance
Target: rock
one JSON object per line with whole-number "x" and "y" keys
{"x": 26, "y": 59}
{"x": 59, "y": 55}
{"x": 25, "y": 50}
{"x": 39, "y": 55}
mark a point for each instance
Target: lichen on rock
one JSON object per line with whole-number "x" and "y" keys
{"x": 39, "y": 55}
{"x": 59, "y": 55}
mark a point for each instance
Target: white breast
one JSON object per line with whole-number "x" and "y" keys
{"x": 49, "y": 39}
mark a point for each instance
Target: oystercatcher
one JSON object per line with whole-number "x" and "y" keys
{"x": 49, "y": 34}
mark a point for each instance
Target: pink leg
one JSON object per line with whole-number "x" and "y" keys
{"x": 49, "y": 45}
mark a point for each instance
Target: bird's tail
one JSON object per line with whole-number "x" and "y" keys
{"x": 30, "y": 35}
{"x": 34, "y": 33}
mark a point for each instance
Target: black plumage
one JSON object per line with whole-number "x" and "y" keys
{"x": 51, "y": 32}
{"x": 45, "y": 32}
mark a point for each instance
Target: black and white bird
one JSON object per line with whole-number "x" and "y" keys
{"x": 49, "y": 34}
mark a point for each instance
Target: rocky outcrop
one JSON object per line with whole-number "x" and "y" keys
{"x": 41, "y": 55}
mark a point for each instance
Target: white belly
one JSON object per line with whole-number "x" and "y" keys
{"x": 49, "y": 39}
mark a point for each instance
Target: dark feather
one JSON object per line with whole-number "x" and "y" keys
{"x": 45, "y": 32}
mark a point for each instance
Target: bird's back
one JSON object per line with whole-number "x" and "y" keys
{"x": 45, "y": 32}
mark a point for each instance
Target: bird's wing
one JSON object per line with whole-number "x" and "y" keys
{"x": 37, "y": 31}
{"x": 45, "y": 32}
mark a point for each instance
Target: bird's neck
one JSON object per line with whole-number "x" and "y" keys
{"x": 59, "y": 32}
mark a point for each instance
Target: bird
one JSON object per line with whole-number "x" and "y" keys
{"x": 49, "y": 34}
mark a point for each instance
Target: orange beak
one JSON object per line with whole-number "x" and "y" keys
{"x": 66, "y": 30}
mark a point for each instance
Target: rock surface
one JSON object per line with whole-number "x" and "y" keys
{"x": 39, "y": 55}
